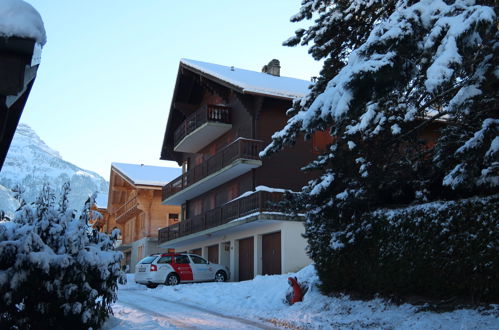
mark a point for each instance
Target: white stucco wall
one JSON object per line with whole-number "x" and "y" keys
{"x": 293, "y": 247}
{"x": 150, "y": 246}
{"x": 293, "y": 256}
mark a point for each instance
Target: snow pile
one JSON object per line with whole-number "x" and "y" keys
{"x": 20, "y": 19}
{"x": 260, "y": 188}
{"x": 262, "y": 299}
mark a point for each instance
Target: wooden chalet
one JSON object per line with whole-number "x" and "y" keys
{"x": 134, "y": 206}
{"x": 101, "y": 219}
{"x": 220, "y": 118}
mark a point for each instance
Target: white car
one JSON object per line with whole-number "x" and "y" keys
{"x": 174, "y": 268}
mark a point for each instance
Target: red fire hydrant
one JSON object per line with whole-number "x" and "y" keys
{"x": 297, "y": 294}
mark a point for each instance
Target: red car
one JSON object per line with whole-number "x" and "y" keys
{"x": 175, "y": 268}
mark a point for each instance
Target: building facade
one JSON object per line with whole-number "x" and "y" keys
{"x": 220, "y": 119}
{"x": 134, "y": 206}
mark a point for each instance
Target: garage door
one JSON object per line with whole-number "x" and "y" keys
{"x": 246, "y": 259}
{"x": 213, "y": 254}
{"x": 271, "y": 254}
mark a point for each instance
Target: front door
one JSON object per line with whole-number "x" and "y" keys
{"x": 271, "y": 254}
{"x": 213, "y": 254}
{"x": 246, "y": 259}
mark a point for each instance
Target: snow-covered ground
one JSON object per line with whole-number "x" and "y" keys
{"x": 259, "y": 303}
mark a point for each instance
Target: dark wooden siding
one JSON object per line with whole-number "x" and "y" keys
{"x": 246, "y": 259}
{"x": 281, "y": 170}
{"x": 221, "y": 194}
{"x": 271, "y": 254}
{"x": 197, "y": 251}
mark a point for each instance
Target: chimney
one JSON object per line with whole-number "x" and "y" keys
{"x": 273, "y": 68}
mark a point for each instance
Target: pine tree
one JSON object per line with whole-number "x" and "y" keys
{"x": 55, "y": 271}
{"x": 391, "y": 69}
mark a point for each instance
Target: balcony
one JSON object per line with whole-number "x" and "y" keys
{"x": 234, "y": 160}
{"x": 258, "y": 202}
{"x": 201, "y": 128}
{"x": 130, "y": 208}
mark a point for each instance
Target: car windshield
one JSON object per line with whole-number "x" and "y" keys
{"x": 147, "y": 260}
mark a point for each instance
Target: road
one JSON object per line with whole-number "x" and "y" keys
{"x": 136, "y": 309}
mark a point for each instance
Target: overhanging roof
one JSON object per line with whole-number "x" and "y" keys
{"x": 146, "y": 175}
{"x": 19, "y": 61}
{"x": 239, "y": 80}
{"x": 250, "y": 82}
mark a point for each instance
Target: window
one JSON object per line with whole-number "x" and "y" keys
{"x": 198, "y": 260}
{"x": 142, "y": 222}
{"x": 232, "y": 191}
{"x": 197, "y": 207}
{"x": 140, "y": 251}
{"x": 172, "y": 217}
{"x": 129, "y": 232}
{"x": 183, "y": 259}
{"x": 165, "y": 260}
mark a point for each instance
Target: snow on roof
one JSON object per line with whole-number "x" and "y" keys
{"x": 148, "y": 175}
{"x": 20, "y": 19}
{"x": 101, "y": 201}
{"x": 252, "y": 82}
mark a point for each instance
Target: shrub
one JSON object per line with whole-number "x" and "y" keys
{"x": 55, "y": 271}
{"x": 437, "y": 250}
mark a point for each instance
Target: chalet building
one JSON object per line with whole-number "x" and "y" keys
{"x": 101, "y": 219}
{"x": 134, "y": 206}
{"x": 220, "y": 118}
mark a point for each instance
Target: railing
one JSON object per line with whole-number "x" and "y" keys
{"x": 126, "y": 208}
{"x": 239, "y": 149}
{"x": 210, "y": 112}
{"x": 260, "y": 201}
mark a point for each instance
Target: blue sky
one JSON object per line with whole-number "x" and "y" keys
{"x": 108, "y": 70}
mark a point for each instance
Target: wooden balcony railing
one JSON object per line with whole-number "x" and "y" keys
{"x": 239, "y": 149}
{"x": 260, "y": 201}
{"x": 126, "y": 209}
{"x": 210, "y": 112}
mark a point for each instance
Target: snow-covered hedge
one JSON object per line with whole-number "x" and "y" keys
{"x": 55, "y": 271}
{"x": 436, "y": 250}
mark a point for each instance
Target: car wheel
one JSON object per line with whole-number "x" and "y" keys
{"x": 152, "y": 286}
{"x": 220, "y": 276}
{"x": 172, "y": 279}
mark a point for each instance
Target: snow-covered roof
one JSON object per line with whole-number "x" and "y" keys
{"x": 20, "y": 19}
{"x": 252, "y": 82}
{"x": 148, "y": 175}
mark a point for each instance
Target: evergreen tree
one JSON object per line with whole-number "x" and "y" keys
{"x": 55, "y": 271}
{"x": 392, "y": 69}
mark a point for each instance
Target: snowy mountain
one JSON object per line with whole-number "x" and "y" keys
{"x": 30, "y": 163}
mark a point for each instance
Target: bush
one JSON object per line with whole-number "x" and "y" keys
{"x": 438, "y": 250}
{"x": 55, "y": 271}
